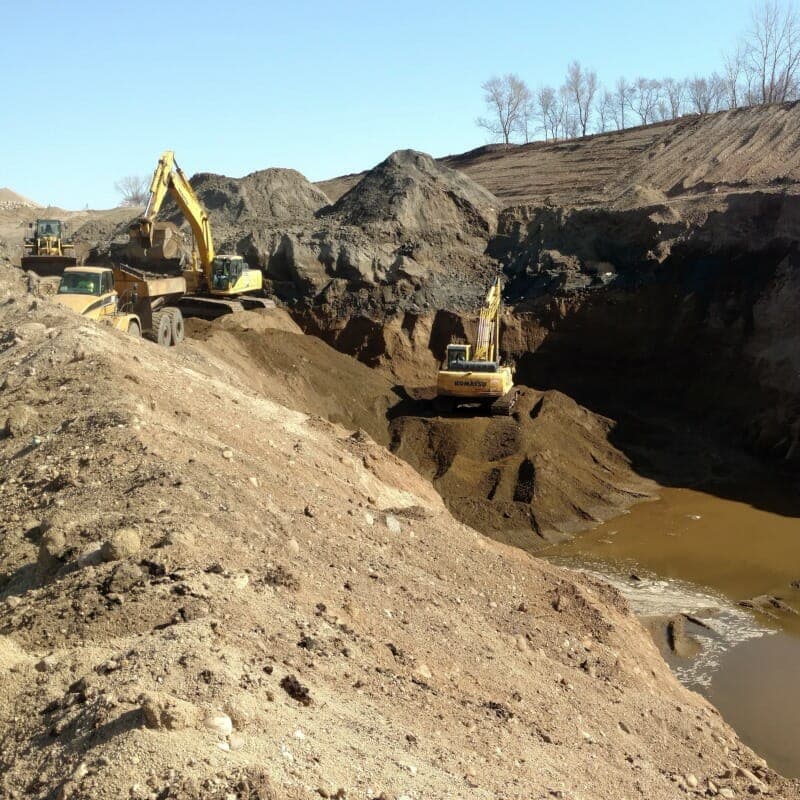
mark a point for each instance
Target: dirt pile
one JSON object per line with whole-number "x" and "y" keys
{"x": 9, "y": 200}
{"x": 279, "y": 362}
{"x": 539, "y": 476}
{"x": 205, "y": 593}
{"x": 240, "y": 207}
{"x": 477, "y": 463}
{"x": 412, "y": 232}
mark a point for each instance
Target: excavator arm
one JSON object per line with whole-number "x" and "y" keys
{"x": 169, "y": 178}
{"x": 486, "y": 344}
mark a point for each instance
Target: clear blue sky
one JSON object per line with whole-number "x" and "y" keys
{"x": 92, "y": 91}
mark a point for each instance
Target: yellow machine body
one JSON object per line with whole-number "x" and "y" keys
{"x": 208, "y": 273}
{"x": 47, "y": 251}
{"x": 91, "y": 292}
{"x": 479, "y": 377}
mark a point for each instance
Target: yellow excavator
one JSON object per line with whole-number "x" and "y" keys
{"x": 478, "y": 378}
{"x": 209, "y": 274}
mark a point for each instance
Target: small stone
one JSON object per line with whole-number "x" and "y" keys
{"x": 254, "y": 481}
{"x": 691, "y": 781}
{"x": 713, "y": 789}
{"x": 727, "y": 793}
{"x": 13, "y": 602}
{"x": 308, "y": 511}
{"x": 743, "y": 772}
{"x": 51, "y": 550}
{"x": 47, "y": 664}
{"x": 20, "y": 420}
{"x": 293, "y": 546}
{"x": 623, "y": 726}
{"x": 393, "y": 524}
{"x": 369, "y": 518}
{"x": 151, "y": 710}
{"x": 236, "y": 741}
{"x": 423, "y": 673}
{"x": 227, "y": 454}
{"x": 219, "y": 723}
{"x": 122, "y": 544}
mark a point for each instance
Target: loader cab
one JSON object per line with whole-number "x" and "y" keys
{"x": 48, "y": 227}
{"x": 457, "y": 356}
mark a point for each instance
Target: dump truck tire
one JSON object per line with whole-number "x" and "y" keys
{"x": 162, "y": 329}
{"x": 178, "y": 328}
{"x": 134, "y": 329}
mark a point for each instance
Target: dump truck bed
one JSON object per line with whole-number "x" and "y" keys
{"x": 129, "y": 282}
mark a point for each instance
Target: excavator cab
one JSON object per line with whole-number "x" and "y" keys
{"x": 457, "y": 355}
{"x": 226, "y": 271}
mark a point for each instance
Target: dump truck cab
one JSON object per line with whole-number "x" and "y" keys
{"x": 90, "y": 292}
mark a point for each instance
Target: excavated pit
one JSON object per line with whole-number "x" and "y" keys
{"x": 543, "y": 474}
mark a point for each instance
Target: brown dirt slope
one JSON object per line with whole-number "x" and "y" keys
{"x": 207, "y": 594}
{"x": 731, "y": 150}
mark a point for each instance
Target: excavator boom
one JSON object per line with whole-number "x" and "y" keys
{"x": 169, "y": 178}
{"x": 210, "y": 273}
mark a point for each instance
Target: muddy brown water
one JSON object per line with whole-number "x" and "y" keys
{"x": 700, "y": 554}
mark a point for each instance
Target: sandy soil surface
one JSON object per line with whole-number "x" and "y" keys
{"x": 207, "y": 593}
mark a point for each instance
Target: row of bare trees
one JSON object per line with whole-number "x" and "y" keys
{"x": 763, "y": 68}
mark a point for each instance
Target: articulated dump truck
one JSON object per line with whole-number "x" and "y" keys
{"x": 131, "y": 300}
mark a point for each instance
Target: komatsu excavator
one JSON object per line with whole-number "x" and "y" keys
{"x": 209, "y": 275}
{"x": 478, "y": 378}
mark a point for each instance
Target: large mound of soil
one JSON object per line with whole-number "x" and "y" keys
{"x": 420, "y": 197}
{"x": 207, "y": 594}
{"x": 538, "y": 476}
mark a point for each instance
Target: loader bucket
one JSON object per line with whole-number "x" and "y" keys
{"x": 48, "y": 266}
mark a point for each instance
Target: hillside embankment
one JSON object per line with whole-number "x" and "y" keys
{"x": 207, "y": 593}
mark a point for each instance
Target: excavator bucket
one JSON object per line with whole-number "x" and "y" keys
{"x": 160, "y": 247}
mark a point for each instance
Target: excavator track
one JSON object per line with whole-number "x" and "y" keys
{"x": 504, "y": 406}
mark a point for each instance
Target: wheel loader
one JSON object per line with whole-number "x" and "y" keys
{"x": 47, "y": 251}
{"x": 478, "y": 379}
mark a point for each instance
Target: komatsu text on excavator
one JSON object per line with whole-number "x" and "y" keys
{"x": 209, "y": 274}
{"x": 479, "y": 377}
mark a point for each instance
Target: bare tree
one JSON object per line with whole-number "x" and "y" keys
{"x": 622, "y": 93}
{"x": 674, "y": 96}
{"x": 705, "y": 94}
{"x": 581, "y": 87}
{"x": 570, "y": 124}
{"x": 507, "y": 98}
{"x": 545, "y": 105}
{"x": 773, "y": 50}
{"x": 644, "y": 99}
{"x": 734, "y": 69}
{"x": 134, "y": 189}
{"x": 605, "y": 111}
{"x": 525, "y": 123}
